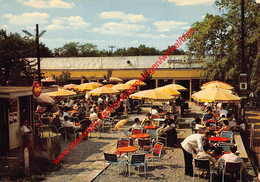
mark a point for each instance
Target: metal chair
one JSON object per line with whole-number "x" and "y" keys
{"x": 144, "y": 144}
{"x": 137, "y": 131}
{"x": 112, "y": 159}
{"x": 69, "y": 131}
{"x": 136, "y": 160}
{"x": 202, "y": 165}
{"x": 227, "y": 134}
{"x": 233, "y": 168}
{"x": 123, "y": 142}
{"x": 155, "y": 153}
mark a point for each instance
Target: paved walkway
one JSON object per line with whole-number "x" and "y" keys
{"x": 85, "y": 162}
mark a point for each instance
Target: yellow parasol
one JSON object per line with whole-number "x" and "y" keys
{"x": 176, "y": 87}
{"x": 109, "y": 85}
{"x": 69, "y": 86}
{"x": 169, "y": 90}
{"x": 44, "y": 99}
{"x": 121, "y": 87}
{"x": 217, "y": 85}
{"x": 88, "y": 86}
{"x": 102, "y": 90}
{"x": 152, "y": 95}
{"x": 115, "y": 80}
{"x": 131, "y": 82}
{"x": 47, "y": 79}
{"x": 215, "y": 95}
{"x": 120, "y": 124}
{"x": 215, "y": 82}
{"x": 61, "y": 93}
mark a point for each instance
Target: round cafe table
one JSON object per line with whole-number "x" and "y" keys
{"x": 211, "y": 121}
{"x": 140, "y": 136}
{"x": 126, "y": 149}
{"x": 218, "y": 139}
{"x": 214, "y": 128}
{"x": 149, "y": 127}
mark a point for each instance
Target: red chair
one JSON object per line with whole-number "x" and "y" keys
{"x": 156, "y": 153}
{"x": 144, "y": 144}
{"x": 123, "y": 142}
{"x": 137, "y": 131}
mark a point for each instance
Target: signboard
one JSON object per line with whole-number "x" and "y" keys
{"x": 36, "y": 89}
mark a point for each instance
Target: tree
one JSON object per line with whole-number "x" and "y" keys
{"x": 15, "y": 68}
{"x": 62, "y": 79}
{"x": 75, "y": 49}
{"x": 219, "y": 36}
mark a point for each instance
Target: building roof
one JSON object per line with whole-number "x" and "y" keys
{"x": 126, "y": 62}
{"x": 13, "y": 91}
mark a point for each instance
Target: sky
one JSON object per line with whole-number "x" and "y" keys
{"x": 119, "y": 23}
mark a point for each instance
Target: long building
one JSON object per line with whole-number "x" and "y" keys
{"x": 177, "y": 69}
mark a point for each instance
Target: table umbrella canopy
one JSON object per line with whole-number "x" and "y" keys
{"x": 169, "y": 90}
{"x": 47, "y": 79}
{"x": 120, "y": 124}
{"x": 44, "y": 99}
{"x": 131, "y": 82}
{"x": 121, "y": 87}
{"x": 151, "y": 94}
{"x": 215, "y": 95}
{"x": 102, "y": 90}
{"x": 61, "y": 93}
{"x": 176, "y": 87}
{"x": 70, "y": 86}
{"x": 217, "y": 85}
{"x": 215, "y": 82}
{"x": 88, "y": 86}
{"x": 115, "y": 80}
{"x": 108, "y": 85}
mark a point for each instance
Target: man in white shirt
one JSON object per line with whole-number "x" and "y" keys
{"x": 154, "y": 111}
{"x": 231, "y": 157}
{"x": 93, "y": 116}
{"x": 67, "y": 123}
{"x": 189, "y": 144}
{"x": 137, "y": 125}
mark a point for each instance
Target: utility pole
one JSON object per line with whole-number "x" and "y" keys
{"x": 37, "y": 36}
{"x": 112, "y": 47}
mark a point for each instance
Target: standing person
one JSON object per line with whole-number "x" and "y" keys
{"x": 192, "y": 143}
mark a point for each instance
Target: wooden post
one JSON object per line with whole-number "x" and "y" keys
{"x": 26, "y": 161}
{"x": 49, "y": 148}
{"x": 252, "y": 133}
{"x": 156, "y": 83}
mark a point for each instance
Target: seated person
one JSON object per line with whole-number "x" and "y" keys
{"x": 148, "y": 119}
{"x": 239, "y": 127}
{"x": 154, "y": 111}
{"x": 232, "y": 157}
{"x": 169, "y": 132}
{"x": 27, "y": 136}
{"x": 137, "y": 125}
{"x": 193, "y": 122}
{"x": 208, "y": 116}
{"x": 93, "y": 116}
{"x": 198, "y": 125}
{"x": 206, "y": 154}
{"x": 160, "y": 110}
{"x": 225, "y": 127}
{"x": 67, "y": 123}
{"x": 231, "y": 120}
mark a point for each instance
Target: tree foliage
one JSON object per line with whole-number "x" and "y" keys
{"x": 220, "y": 36}
{"x": 62, "y": 79}
{"x": 15, "y": 68}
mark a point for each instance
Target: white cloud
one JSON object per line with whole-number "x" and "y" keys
{"x": 27, "y": 18}
{"x": 132, "y": 18}
{"x": 47, "y": 4}
{"x": 114, "y": 28}
{"x": 72, "y": 22}
{"x": 166, "y": 26}
{"x": 3, "y": 26}
{"x": 157, "y": 36}
{"x": 190, "y": 2}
